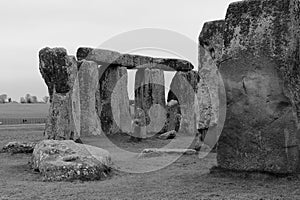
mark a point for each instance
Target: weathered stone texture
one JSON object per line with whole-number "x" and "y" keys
{"x": 150, "y": 97}
{"x": 211, "y": 43}
{"x": 88, "y": 84}
{"x": 184, "y": 90}
{"x": 260, "y": 68}
{"x": 113, "y": 101}
{"x": 139, "y": 128}
{"x": 173, "y": 116}
{"x": 168, "y": 135}
{"x": 203, "y": 106}
{"x": 59, "y": 72}
{"x": 146, "y": 153}
{"x": 18, "y": 147}
{"x": 211, "y": 39}
{"x": 68, "y": 161}
{"x": 55, "y": 69}
{"x": 113, "y": 58}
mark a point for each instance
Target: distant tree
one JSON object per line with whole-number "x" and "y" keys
{"x": 3, "y": 98}
{"x": 28, "y": 98}
{"x": 33, "y": 99}
{"x": 46, "y": 99}
{"x": 22, "y": 100}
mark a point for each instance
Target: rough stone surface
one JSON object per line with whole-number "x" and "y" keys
{"x": 18, "y": 147}
{"x": 112, "y": 101}
{"x": 88, "y": 84}
{"x": 163, "y": 152}
{"x": 260, "y": 67}
{"x": 168, "y": 135}
{"x": 107, "y": 57}
{"x": 184, "y": 89}
{"x": 211, "y": 43}
{"x": 55, "y": 67}
{"x": 139, "y": 128}
{"x": 60, "y": 72}
{"x": 211, "y": 39}
{"x": 150, "y": 97}
{"x": 173, "y": 116}
{"x": 66, "y": 161}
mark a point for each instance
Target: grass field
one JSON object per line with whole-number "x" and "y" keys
{"x": 187, "y": 178}
{"x": 10, "y": 111}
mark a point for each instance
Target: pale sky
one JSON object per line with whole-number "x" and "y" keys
{"x": 29, "y": 25}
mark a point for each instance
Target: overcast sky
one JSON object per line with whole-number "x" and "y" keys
{"x": 29, "y": 25}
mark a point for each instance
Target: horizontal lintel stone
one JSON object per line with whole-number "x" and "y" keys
{"x": 113, "y": 58}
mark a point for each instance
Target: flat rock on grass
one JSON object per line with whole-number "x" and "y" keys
{"x": 161, "y": 152}
{"x": 168, "y": 135}
{"x": 18, "y": 147}
{"x": 66, "y": 161}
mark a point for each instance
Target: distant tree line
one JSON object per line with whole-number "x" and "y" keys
{"x": 27, "y": 99}
{"x": 3, "y": 98}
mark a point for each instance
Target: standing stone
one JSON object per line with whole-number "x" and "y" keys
{"x": 173, "y": 116}
{"x": 150, "y": 97}
{"x": 59, "y": 72}
{"x": 139, "y": 130}
{"x": 183, "y": 89}
{"x": 88, "y": 83}
{"x": 260, "y": 67}
{"x": 113, "y": 101}
{"x": 211, "y": 93}
{"x": 211, "y": 44}
{"x": 211, "y": 39}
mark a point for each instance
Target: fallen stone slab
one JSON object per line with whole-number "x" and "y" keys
{"x": 66, "y": 161}
{"x": 154, "y": 152}
{"x": 112, "y": 58}
{"x": 168, "y": 135}
{"x": 18, "y": 147}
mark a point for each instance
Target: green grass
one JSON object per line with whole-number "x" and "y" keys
{"x": 186, "y": 178}
{"x": 10, "y": 111}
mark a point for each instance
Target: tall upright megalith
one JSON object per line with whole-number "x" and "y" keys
{"x": 183, "y": 89}
{"x": 260, "y": 69}
{"x": 88, "y": 84}
{"x": 113, "y": 101}
{"x": 150, "y": 97}
{"x": 211, "y": 93}
{"x": 211, "y": 44}
{"x": 60, "y": 72}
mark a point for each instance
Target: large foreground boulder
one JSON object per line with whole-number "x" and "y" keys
{"x": 260, "y": 68}
{"x": 66, "y": 160}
